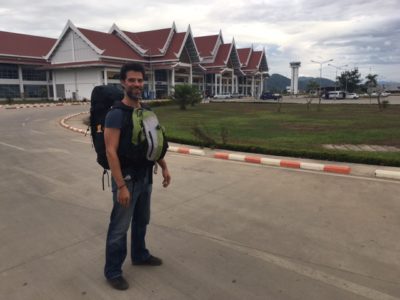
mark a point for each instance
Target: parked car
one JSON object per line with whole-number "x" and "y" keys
{"x": 223, "y": 96}
{"x": 352, "y": 96}
{"x": 237, "y": 95}
{"x": 270, "y": 96}
{"x": 336, "y": 95}
{"x": 383, "y": 94}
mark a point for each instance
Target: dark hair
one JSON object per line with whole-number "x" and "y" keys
{"x": 130, "y": 67}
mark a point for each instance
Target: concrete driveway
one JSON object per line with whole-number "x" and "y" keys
{"x": 225, "y": 230}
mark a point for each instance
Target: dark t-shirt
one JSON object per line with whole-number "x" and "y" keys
{"x": 122, "y": 119}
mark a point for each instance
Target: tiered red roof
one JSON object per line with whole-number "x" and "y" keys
{"x": 254, "y": 62}
{"x": 221, "y": 58}
{"x": 153, "y": 41}
{"x": 17, "y": 44}
{"x": 111, "y": 44}
{"x": 244, "y": 55}
{"x": 206, "y": 44}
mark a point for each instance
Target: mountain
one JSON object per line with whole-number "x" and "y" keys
{"x": 278, "y": 83}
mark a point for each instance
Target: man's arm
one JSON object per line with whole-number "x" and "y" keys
{"x": 165, "y": 173}
{"x": 111, "y": 140}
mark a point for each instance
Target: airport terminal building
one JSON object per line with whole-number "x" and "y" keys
{"x": 70, "y": 66}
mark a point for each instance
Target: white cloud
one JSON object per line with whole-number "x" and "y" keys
{"x": 362, "y": 33}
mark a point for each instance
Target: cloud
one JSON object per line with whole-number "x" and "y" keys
{"x": 362, "y": 33}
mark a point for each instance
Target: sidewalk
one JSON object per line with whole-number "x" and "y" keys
{"x": 75, "y": 123}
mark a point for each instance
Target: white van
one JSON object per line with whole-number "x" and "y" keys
{"x": 336, "y": 95}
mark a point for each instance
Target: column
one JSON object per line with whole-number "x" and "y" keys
{"x": 252, "y": 86}
{"x": 233, "y": 83}
{"x": 215, "y": 84}
{"x": 105, "y": 76}
{"x": 54, "y": 87}
{"x": 173, "y": 80}
{"x": 220, "y": 83}
{"x": 190, "y": 75}
{"x": 21, "y": 83}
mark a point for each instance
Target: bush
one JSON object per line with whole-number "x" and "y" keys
{"x": 186, "y": 94}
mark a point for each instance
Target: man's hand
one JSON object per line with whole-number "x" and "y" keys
{"x": 124, "y": 196}
{"x": 167, "y": 177}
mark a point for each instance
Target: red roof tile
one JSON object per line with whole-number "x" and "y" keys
{"x": 152, "y": 41}
{"x": 244, "y": 55}
{"x": 222, "y": 56}
{"x": 111, "y": 44}
{"x": 206, "y": 44}
{"x": 254, "y": 61}
{"x": 175, "y": 45}
{"x": 24, "y": 45}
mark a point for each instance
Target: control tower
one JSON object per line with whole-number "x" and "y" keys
{"x": 294, "y": 84}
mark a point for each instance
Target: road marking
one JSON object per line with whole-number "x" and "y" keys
{"x": 38, "y": 176}
{"x": 301, "y": 269}
{"x": 37, "y": 132}
{"x": 44, "y": 150}
{"x": 12, "y": 146}
{"x": 80, "y": 141}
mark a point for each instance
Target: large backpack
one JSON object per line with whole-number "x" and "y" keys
{"x": 148, "y": 136}
{"x": 101, "y": 100}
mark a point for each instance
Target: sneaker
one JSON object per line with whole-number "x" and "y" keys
{"x": 119, "y": 283}
{"x": 151, "y": 261}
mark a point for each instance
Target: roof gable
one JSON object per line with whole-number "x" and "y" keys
{"x": 111, "y": 45}
{"x": 206, "y": 44}
{"x": 154, "y": 41}
{"x": 244, "y": 55}
{"x": 16, "y": 44}
{"x": 254, "y": 61}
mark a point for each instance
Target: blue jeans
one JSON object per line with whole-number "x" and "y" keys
{"x": 138, "y": 213}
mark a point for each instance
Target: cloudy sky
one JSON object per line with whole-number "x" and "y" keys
{"x": 358, "y": 33}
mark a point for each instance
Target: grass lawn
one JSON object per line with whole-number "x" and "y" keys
{"x": 294, "y": 131}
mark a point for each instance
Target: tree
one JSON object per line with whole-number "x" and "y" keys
{"x": 186, "y": 94}
{"x": 349, "y": 81}
{"x": 312, "y": 86}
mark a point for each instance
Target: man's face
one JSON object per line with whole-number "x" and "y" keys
{"x": 133, "y": 84}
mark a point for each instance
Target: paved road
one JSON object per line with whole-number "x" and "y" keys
{"x": 225, "y": 230}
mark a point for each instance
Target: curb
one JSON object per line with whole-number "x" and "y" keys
{"x": 387, "y": 174}
{"x": 284, "y": 163}
{"x": 65, "y": 125}
{"x": 184, "y": 150}
{"x": 19, "y": 106}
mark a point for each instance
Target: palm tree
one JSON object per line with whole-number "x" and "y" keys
{"x": 371, "y": 80}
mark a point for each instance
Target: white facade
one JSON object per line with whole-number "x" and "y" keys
{"x": 77, "y": 84}
{"x": 73, "y": 49}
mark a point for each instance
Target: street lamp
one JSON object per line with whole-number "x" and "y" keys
{"x": 337, "y": 68}
{"x": 320, "y": 73}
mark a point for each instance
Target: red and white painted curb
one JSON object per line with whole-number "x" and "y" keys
{"x": 284, "y": 163}
{"x": 387, "y": 174}
{"x": 19, "y": 106}
{"x": 65, "y": 125}
{"x": 184, "y": 150}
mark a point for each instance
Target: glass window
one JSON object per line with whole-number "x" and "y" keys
{"x": 35, "y": 91}
{"x": 8, "y": 71}
{"x": 161, "y": 75}
{"x": 33, "y": 75}
{"x": 113, "y": 75}
{"x": 9, "y": 91}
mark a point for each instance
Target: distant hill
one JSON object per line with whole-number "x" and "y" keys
{"x": 277, "y": 82}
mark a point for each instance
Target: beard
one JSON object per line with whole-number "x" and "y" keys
{"x": 134, "y": 93}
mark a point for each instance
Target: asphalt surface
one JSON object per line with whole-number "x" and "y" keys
{"x": 225, "y": 230}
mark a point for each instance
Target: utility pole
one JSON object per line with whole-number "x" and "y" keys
{"x": 337, "y": 68}
{"x": 320, "y": 74}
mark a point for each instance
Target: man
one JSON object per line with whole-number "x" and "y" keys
{"x": 131, "y": 184}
